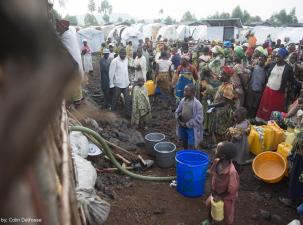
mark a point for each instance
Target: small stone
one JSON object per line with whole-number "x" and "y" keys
{"x": 276, "y": 218}
{"x": 254, "y": 217}
{"x": 265, "y": 214}
{"x": 131, "y": 147}
{"x": 122, "y": 136}
{"x": 99, "y": 185}
{"x": 267, "y": 196}
{"x": 159, "y": 211}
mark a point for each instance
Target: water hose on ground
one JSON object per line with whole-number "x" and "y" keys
{"x": 110, "y": 155}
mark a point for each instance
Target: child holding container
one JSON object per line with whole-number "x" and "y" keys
{"x": 238, "y": 135}
{"x": 224, "y": 185}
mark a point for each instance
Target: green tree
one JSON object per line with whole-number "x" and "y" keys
{"x": 255, "y": 19}
{"x": 72, "y": 19}
{"x": 246, "y": 17}
{"x": 188, "y": 17}
{"x": 106, "y": 18}
{"x": 132, "y": 21}
{"x": 90, "y": 20}
{"x": 223, "y": 15}
{"x": 157, "y": 21}
{"x": 141, "y": 21}
{"x": 91, "y": 6}
{"x": 237, "y": 12}
{"x": 161, "y": 11}
{"x": 282, "y": 18}
{"x": 105, "y": 9}
{"x": 168, "y": 20}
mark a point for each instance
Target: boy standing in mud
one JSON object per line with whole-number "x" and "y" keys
{"x": 189, "y": 115}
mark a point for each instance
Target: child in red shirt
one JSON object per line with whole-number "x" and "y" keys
{"x": 225, "y": 181}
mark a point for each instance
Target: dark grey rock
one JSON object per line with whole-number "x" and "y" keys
{"x": 276, "y": 219}
{"x": 130, "y": 147}
{"x": 255, "y": 217}
{"x": 265, "y": 214}
{"x": 122, "y": 136}
{"x": 136, "y": 138}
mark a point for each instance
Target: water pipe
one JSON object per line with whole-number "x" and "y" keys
{"x": 110, "y": 155}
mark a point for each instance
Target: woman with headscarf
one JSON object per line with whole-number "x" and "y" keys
{"x": 280, "y": 78}
{"x": 224, "y": 103}
{"x": 215, "y": 65}
{"x": 187, "y": 74}
{"x": 238, "y": 81}
{"x": 228, "y": 50}
{"x": 239, "y": 52}
{"x": 257, "y": 53}
{"x": 87, "y": 59}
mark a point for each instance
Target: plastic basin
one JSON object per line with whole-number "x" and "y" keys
{"x": 269, "y": 167}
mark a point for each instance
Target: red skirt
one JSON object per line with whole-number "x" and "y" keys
{"x": 271, "y": 101}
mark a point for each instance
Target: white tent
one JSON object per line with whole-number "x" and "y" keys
{"x": 151, "y": 30}
{"x": 138, "y": 26}
{"x": 131, "y": 34}
{"x": 183, "y": 32}
{"x": 106, "y": 29}
{"x": 94, "y": 38}
{"x": 168, "y": 32}
{"x": 199, "y": 32}
{"x": 115, "y": 33}
{"x": 294, "y": 33}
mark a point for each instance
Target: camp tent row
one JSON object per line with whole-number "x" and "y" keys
{"x": 209, "y": 29}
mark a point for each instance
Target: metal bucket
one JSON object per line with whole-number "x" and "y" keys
{"x": 152, "y": 139}
{"x": 165, "y": 154}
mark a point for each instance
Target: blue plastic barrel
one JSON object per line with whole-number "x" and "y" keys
{"x": 191, "y": 172}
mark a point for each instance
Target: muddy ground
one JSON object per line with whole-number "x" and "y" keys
{"x": 136, "y": 202}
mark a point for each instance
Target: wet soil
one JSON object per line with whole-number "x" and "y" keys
{"x": 135, "y": 202}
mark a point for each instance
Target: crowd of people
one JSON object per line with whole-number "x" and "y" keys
{"x": 216, "y": 90}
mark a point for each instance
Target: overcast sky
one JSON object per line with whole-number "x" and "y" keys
{"x": 149, "y": 9}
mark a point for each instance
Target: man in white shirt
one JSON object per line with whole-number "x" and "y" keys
{"x": 111, "y": 51}
{"x": 119, "y": 80}
{"x": 140, "y": 65}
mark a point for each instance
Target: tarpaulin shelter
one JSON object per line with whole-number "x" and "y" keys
{"x": 183, "y": 32}
{"x": 199, "y": 32}
{"x": 131, "y": 34}
{"x": 94, "y": 38}
{"x": 151, "y": 30}
{"x": 167, "y": 32}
